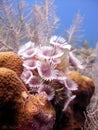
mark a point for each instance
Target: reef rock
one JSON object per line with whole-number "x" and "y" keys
{"x": 87, "y": 56}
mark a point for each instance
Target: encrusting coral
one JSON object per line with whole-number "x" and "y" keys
{"x": 44, "y": 116}
{"x": 12, "y": 61}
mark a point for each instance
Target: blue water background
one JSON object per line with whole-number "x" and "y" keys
{"x": 88, "y": 9}
{"x": 67, "y": 9}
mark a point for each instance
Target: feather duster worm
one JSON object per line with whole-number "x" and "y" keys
{"x": 48, "y": 90}
{"x": 47, "y": 70}
{"x": 48, "y": 74}
{"x": 49, "y": 52}
{"x": 59, "y": 42}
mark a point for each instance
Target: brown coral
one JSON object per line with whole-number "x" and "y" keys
{"x": 12, "y": 61}
{"x": 73, "y": 117}
{"x": 85, "y": 87}
{"x": 12, "y": 98}
{"x": 18, "y": 109}
{"x": 83, "y": 95}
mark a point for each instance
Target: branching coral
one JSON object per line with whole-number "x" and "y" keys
{"x": 73, "y": 32}
{"x": 19, "y": 22}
